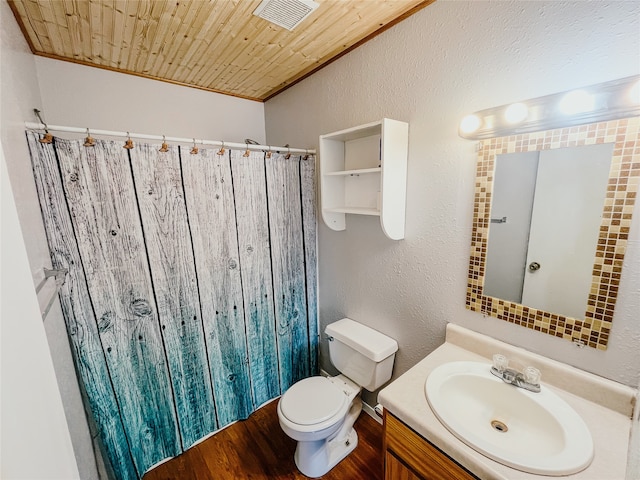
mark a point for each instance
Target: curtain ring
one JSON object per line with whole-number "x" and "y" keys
{"x": 194, "y": 150}
{"x": 164, "y": 148}
{"x": 89, "y": 140}
{"x": 247, "y": 152}
{"x": 221, "y": 151}
{"x": 306, "y": 154}
{"x": 128, "y": 144}
{"x": 288, "y": 155}
{"x": 47, "y": 138}
{"x": 268, "y": 154}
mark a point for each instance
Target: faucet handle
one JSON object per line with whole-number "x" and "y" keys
{"x": 500, "y": 362}
{"x": 532, "y": 375}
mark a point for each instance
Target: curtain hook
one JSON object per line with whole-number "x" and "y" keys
{"x": 247, "y": 152}
{"x": 47, "y": 138}
{"x": 89, "y": 140}
{"x": 164, "y": 148}
{"x": 288, "y": 155}
{"x": 268, "y": 155}
{"x": 129, "y": 143}
{"x": 194, "y": 150}
{"x": 221, "y": 151}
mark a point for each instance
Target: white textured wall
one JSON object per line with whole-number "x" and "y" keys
{"x": 81, "y": 96}
{"x": 19, "y": 94}
{"x": 450, "y": 59}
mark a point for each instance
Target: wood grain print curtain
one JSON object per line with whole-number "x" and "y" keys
{"x": 191, "y": 294}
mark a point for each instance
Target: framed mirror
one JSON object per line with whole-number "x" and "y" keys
{"x": 562, "y": 200}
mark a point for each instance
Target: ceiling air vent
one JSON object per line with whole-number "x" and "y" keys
{"x": 285, "y": 13}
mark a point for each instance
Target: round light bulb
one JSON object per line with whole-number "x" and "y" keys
{"x": 634, "y": 93}
{"x": 516, "y": 113}
{"x": 470, "y": 124}
{"x": 577, "y": 101}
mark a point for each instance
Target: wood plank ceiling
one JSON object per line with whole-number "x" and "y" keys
{"x": 216, "y": 45}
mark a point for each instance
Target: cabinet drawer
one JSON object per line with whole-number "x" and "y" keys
{"x": 420, "y": 455}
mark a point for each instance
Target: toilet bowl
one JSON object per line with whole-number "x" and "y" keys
{"x": 319, "y": 412}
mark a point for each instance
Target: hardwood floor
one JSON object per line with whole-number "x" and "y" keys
{"x": 257, "y": 448}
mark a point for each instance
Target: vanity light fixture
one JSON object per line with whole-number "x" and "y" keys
{"x": 576, "y": 101}
{"x": 516, "y": 113}
{"x": 470, "y": 124}
{"x": 605, "y": 101}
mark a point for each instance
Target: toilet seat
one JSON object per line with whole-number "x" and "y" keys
{"x": 314, "y": 401}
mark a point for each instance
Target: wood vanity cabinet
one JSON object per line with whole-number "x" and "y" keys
{"x": 408, "y": 456}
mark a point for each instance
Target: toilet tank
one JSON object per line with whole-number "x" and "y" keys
{"x": 361, "y": 353}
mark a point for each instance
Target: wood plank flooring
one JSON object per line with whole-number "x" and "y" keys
{"x": 257, "y": 448}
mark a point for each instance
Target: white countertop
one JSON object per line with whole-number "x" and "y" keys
{"x": 604, "y": 405}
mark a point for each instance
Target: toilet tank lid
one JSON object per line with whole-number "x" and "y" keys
{"x": 367, "y": 341}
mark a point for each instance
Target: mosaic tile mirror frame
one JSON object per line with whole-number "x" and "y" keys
{"x": 624, "y": 176}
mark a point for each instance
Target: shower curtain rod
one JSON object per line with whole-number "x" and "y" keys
{"x": 144, "y": 136}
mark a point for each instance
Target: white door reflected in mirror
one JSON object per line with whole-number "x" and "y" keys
{"x": 553, "y": 202}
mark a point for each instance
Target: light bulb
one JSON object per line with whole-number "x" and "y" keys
{"x": 470, "y": 124}
{"x": 634, "y": 93}
{"x": 577, "y": 101}
{"x": 516, "y": 113}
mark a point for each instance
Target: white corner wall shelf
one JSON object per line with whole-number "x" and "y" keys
{"x": 363, "y": 171}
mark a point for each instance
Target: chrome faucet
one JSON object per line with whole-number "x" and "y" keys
{"x": 529, "y": 379}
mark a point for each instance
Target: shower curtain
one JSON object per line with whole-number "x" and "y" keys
{"x": 191, "y": 293}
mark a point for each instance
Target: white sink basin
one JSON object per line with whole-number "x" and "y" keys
{"x": 533, "y": 432}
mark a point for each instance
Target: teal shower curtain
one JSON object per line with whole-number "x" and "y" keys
{"x": 191, "y": 297}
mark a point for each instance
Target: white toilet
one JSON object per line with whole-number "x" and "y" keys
{"x": 319, "y": 412}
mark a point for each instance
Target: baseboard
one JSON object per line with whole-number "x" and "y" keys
{"x": 366, "y": 408}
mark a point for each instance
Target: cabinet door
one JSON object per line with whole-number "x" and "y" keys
{"x": 396, "y": 470}
{"x": 423, "y": 459}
